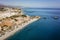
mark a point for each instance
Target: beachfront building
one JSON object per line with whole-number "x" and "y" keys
{"x": 7, "y": 12}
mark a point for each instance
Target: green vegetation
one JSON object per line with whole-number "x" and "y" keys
{"x": 14, "y": 16}
{"x": 23, "y": 15}
{"x": 2, "y": 9}
{"x": 15, "y": 19}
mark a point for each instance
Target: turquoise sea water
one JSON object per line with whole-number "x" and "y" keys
{"x": 46, "y": 28}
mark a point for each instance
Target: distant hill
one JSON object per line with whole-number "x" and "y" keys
{"x": 1, "y": 5}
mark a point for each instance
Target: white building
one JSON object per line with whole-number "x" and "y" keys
{"x": 10, "y": 12}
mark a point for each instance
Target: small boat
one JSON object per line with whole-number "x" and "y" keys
{"x": 44, "y": 18}
{"x": 55, "y": 17}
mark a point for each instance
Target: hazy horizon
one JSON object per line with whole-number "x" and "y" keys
{"x": 33, "y": 3}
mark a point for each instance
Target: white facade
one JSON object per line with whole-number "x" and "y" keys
{"x": 9, "y": 13}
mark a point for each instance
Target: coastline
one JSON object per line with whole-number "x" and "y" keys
{"x": 19, "y": 28}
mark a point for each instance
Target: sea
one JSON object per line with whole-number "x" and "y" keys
{"x": 46, "y": 28}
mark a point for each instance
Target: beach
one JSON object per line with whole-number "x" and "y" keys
{"x": 8, "y": 34}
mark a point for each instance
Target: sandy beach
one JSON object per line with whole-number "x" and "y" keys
{"x": 8, "y": 34}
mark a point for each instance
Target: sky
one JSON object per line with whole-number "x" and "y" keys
{"x": 33, "y": 3}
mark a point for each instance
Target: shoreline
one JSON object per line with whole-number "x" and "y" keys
{"x": 8, "y": 34}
